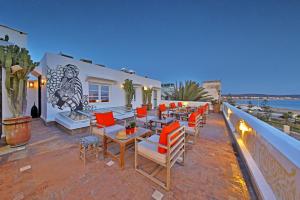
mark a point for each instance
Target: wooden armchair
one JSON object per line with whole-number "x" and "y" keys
{"x": 164, "y": 153}
{"x": 192, "y": 125}
{"x": 104, "y": 123}
{"x": 142, "y": 116}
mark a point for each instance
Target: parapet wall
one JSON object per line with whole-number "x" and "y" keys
{"x": 272, "y": 157}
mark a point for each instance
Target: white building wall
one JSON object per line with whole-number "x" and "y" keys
{"x": 117, "y": 94}
{"x": 16, "y": 37}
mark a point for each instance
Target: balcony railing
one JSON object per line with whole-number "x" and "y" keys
{"x": 272, "y": 157}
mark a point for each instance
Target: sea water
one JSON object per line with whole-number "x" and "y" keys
{"x": 288, "y": 104}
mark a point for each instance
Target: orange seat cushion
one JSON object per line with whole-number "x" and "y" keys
{"x": 179, "y": 104}
{"x": 192, "y": 119}
{"x": 106, "y": 119}
{"x": 162, "y": 107}
{"x": 163, "y": 138}
{"x": 172, "y": 105}
{"x": 141, "y": 112}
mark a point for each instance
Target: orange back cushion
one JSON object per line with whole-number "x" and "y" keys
{"x": 163, "y": 138}
{"x": 200, "y": 111}
{"x": 179, "y": 104}
{"x": 141, "y": 112}
{"x": 106, "y": 119}
{"x": 192, "y": 119}
{"x": 172, "y": 105}
{"x": 162, "y": 107}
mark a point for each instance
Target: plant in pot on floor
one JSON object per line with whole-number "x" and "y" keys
{"x": 129, "y": 92}
{"x": 17, "y": 64}
{"x": 149, "y": 98}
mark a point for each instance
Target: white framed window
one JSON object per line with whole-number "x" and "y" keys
{"x": 98, "y": 93}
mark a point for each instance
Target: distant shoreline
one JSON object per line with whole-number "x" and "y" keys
{"x": 285, "y": 110}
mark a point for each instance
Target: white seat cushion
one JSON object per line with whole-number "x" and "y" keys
{"x": 151, "y": 150}
{"x": 114, "y": 128}
{"x": 188, "y": 129}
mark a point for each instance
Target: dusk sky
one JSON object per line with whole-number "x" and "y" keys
{"x": 251, "y": 46}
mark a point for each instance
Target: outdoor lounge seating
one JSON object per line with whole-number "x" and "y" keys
{"x": 164, "y": 149}
{"x": 192, "y": 125}
{"x": 104, "y": 123}
{"x": 163, "y": 110}
{"x": 142, "y": 116}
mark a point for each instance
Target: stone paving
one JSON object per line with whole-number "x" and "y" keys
{"x": 211, "y": 170}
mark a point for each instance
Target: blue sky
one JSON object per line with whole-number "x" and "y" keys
{"x": 251, "y": 46}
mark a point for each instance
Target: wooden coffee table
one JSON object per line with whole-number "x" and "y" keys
{"x": 140, "y": 132}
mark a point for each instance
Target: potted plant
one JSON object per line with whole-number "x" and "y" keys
{"x": 132, "y": 127}
{"x": 144, "y": 99}
{"x": 149, "y": 98}
{"x": 129, "y": 92}
{"x": 128, "y": 129}
{"x": 17, "y": 64}
{"x": 216, "y": 105}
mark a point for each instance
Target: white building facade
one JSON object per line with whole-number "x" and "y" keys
{"x": 19, "y": 38}
{"x": 72, "y": 84}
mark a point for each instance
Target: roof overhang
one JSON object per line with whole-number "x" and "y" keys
{"x": 100, "y": 80}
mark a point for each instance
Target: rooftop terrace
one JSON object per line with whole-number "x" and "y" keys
{"x": 211, "y": 170}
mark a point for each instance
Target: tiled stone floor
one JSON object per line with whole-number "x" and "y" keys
{"x": 211, "y": 170}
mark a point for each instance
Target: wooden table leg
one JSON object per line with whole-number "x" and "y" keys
{"x": 104, "y": 146}
{"x": 122, "y": 155}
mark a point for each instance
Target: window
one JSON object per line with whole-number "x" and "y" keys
{"x": 98, "y": 93}
{"x": 134, "y": 95}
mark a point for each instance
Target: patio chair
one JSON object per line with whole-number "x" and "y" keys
{"x": 163, "y": 110}
{"x": 201, "y": 112}
{"x": 141, "y": 115}
{"x": 179, "y": 104}
{"x": 104, "y": 123}
{"x": 192, "y": 125}
{"x": 165, "y": 150}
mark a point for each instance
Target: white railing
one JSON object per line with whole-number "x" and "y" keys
{"x": 269, "y": 153}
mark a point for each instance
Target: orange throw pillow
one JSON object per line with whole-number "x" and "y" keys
{"x": 106, "y": 119}
{"x": 172, "y": 105}
{"x": 162, "y": 107}
{"x": 192, "y": 119}
{"x": 163, "y": 138}
{"x": 141, "y": 112}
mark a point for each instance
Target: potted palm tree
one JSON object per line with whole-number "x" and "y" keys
{"x": 17, "y": 64}
{"x": 129, "y": 92}
{"x": 149, "y": 98}
{"x": 144, "y": 95}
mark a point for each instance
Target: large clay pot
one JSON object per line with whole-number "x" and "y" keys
{"x": 17, "y": 130}
{"x": 217, "y": 108}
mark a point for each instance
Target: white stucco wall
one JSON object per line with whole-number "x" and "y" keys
{"x": 15, "y": 37}
{"x": 116, "y": 96}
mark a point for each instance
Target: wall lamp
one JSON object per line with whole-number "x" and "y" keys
{"x": 31, "y": 84}
{"x": 43, "y": 81}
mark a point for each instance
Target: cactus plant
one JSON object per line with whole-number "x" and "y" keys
{"x": 17, "y": 64}
{"x": 149, "y": 96}
{"x": 129, "y": 92}
{"x": 144, "y": 94}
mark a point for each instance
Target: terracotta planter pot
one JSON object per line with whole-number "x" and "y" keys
{"x": 17, "y": 130}
{"x": 217, "y": 108}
